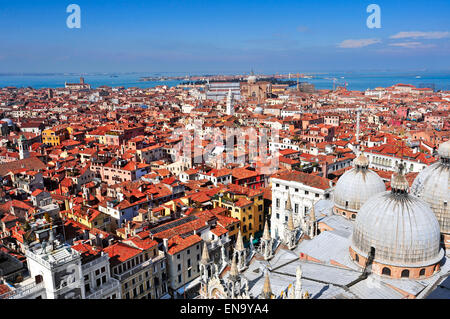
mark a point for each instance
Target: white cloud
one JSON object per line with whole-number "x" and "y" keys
{"x": 420, "y": 34}
{"x": 351, "y": 44}
{"x": 412, "y": 45}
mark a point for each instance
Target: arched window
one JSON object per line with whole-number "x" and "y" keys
{"x": 353, "y": 216}
{"x": 405, "y": 273}
{"x": 386, "y": 271}
{"x": 356, "y": 258}
{"x": 422, "y": 272}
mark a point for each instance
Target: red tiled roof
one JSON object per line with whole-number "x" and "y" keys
{"x": 120, "y": 252}
{"x": 304, "y": 178}
{"x": 177, "y": 243}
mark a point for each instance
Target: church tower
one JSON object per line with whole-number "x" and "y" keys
{"x": 230, "y": 106}
{"x": 23, "y": 147}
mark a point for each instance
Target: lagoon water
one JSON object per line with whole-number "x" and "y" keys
{"x": 354, "y": 80}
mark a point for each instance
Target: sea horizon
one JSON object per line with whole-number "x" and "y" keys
{"x": 355, "y": 80}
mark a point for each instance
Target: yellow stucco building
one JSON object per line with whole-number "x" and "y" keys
{"x": 244, "y": 204}
{"x": 56, "y": 135}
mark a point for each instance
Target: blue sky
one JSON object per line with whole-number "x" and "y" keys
{"x": 223, "y": 36}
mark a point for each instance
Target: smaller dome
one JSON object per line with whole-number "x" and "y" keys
{"x": 399, "y": 183}
{"x": 356, "y": 186}
{"x": 444, "y": 150}
{"x": 251, "y": 79}
{"x": 258, "y": 110}
{"x": 362, "y": 161}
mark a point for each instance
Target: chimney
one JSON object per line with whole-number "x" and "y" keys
{"x": 166, "y": 244}
{"x": 110, "y": 241}
{"x": 324, "y": 169}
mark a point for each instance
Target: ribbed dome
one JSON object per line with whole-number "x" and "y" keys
{"x": 444, "y": 150}
{"x": 258, "y": 110}
{"x": 402, "y": 228}
{"x": 251, "y": 79}
{"x": 433, "y": 186}
{"x": 357, "y": 185}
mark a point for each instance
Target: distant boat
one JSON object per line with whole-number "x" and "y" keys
{"x": 418, "y": 77}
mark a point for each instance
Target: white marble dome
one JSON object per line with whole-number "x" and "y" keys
{"x": 357, "y": 185}
{"x": 251, "y": 79}
{"x": 433, "y": 186}
{"x": 400, "y": 227}
{"x": 258, "y": 110}
{"x": 444, "y": 150}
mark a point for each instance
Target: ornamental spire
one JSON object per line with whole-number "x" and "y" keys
{"x": 288, "y": 203}
{"x": 239, "y": 242}
{"x": 234, "y": 272}
{"x": 266, "y": 233}
{"x": 205, "y": 254}
{"x": 298, "y": 283}
{"x": 267, "y": 290}
{"x": 290, "y": 224}
{"x": 312, "y": 213}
